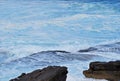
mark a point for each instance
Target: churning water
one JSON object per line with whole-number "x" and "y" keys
{"x": 28, "y": 27}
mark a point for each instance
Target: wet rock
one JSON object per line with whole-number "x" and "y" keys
{"x": 114, "y": 47}
{"x": 104, "y": 70}
{"x": 105, "y": 66}
{"x": 88, "y": 50}
{"x": 55, "y": 51}
{"x": 50, "y": 73}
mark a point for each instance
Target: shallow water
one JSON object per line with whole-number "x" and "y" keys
{"x": 32, "y": 26}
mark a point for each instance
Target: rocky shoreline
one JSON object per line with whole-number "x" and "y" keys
{"x": 97, "y": 70}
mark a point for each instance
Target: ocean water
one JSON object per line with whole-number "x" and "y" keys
{"x": 28, "y": 27}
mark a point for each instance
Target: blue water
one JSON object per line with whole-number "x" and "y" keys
{"x": 31, "y": 26}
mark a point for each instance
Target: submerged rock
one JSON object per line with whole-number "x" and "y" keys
{"x": 114, "y": 47}
{"x": 55, "y": 51}
{"x": 104, "y": 70}
{"x": 88, "y": 50}
{"x": 50, "y": 73}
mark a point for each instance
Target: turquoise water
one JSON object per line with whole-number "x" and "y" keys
{"x": 31, "y": 26}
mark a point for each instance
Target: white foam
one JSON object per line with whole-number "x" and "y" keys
{"x": 73, "y": 78}
{"x": 28, "y": 27}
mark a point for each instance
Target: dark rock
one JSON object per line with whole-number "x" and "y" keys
{"x": 55, "y": 51}
{"x": 52, "y": 51}
{"x": 104, "y": 70}
{"x": 88, "y": 50}
{"x": 105, "y": 66}
{"x": 51, "y": 73}
{"x": 114, "y": 47}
